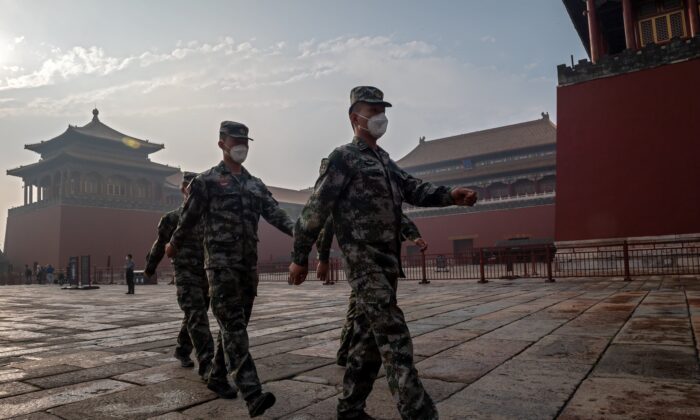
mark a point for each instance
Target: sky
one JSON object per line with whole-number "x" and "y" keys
{"x": 170, "y": 71}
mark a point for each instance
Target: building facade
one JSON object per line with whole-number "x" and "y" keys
{"x": 628, "y": 122}
{"x": 93, "y": 192}
{"x": 513, "y": 170}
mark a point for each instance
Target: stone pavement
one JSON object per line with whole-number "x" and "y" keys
{"x": 578, "y": 348}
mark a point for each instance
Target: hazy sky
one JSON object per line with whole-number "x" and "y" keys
{"x": 170, "y": 71}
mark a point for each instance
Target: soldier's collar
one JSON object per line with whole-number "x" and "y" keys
{"x": 224, "y": 170}
{"x": 362, "y": 145}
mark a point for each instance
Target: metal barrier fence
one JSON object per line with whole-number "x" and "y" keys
{"x": 619, "y": 259}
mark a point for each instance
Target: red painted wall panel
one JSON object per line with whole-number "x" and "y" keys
{"x": 53, "y": 234}
{"x": 628, "y": 152}
{"x": 100, "y": 232}
{"x": 486, "y": 227}
{"x": 33, "y": 237}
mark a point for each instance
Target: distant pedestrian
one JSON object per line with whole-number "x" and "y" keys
{"x": 129, "y": 267}
{"x": 27, "y": 274}
{"x": 49, "y": 274}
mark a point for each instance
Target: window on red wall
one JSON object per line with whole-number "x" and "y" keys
{"x": 661, "y": 20}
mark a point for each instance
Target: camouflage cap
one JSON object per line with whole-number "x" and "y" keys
{"x": 187, "y": 177}
{"x": 234, "y": 129}
{"x": 368, "y": 94}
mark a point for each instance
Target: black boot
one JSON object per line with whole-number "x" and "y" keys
{"x": 185, "y": 361}
{"x": 204, "y": 370}
{"x": 258, "y": 403}
{"x": 222, "y": 388}
{"x": 342, "y": 360}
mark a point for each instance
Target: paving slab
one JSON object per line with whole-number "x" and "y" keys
{"x": 518, "y": 389}
{"x": 618, "y": 398}
{"x": 42, "y": 400}
{"x": 139, "y": 402}
{"x": 506, "y": 349}
{"x": 563, "y": 348}
{"x": 160, "y": 373}
{"x": 643, "y": 361}
{"x": 291, "y": 396}
{"x": 469, "y": 361}
{"x": 9, "y": 389}
{"x": 656, "y": 330}
{"x": 275, "y": 368}
{"x": 83, "y": 375}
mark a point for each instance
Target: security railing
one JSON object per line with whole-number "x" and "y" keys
{"x": 617, "y": 259}
{"x": 611, "y": 259}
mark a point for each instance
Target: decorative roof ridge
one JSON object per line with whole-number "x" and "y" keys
{"x": 545, "y": 118}
{"x": 422, "y": 144}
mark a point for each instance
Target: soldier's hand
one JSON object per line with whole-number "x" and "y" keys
{"x": 322, "y": 270}
{"x": 463, "y": 196}
{"x": 297, "y": 273}
{"x": 420, "y": 243}
{"x": 170, "y": 250}
{"x": 148, "y": 274}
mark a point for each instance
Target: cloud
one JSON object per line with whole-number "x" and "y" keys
{"x": 294, "y": 96}
{"x": 66, "y": 65}
{"x": 488, "y": 38}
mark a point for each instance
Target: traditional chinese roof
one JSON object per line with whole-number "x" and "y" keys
{"x": 97, "y": 131}
{"x": 577, "y": 13}
{"x": 528, "y": 134}
{"x": 73, "y": 155}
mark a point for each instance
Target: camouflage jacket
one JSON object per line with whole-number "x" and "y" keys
{"x": 191, "y": 254}
{"x": 363, "y": 190}
{"x": 409, "y": 231}
{"x": 229, "y": 207}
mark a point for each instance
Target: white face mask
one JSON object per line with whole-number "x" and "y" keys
{"x": 376, "y": 125}
{"x": 238, "y": 153}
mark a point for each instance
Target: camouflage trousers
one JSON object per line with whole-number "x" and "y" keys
{"x": 232, "y": 295}
{"x": 346, "y": 333}
{"x": 380, "y": 335}
{"x": 193, "y": 299}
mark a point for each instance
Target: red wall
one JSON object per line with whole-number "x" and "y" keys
{"x": 486, "y": 227}
{"x": 33, "y": 237}
{"x": 53, "y": 234}
{"x": 628, "y": 155}
{"x": 102, "y": 232}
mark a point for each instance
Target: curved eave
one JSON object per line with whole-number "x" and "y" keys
{"x": 149, "y": 166}
{"x": 142, "y": 144}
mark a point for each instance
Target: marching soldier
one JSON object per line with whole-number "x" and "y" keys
{"x": 192, "y": 295}
{"x": 409, "y": 231}
{"x": 363, "y": 188}
{"x": 230, "y": 201}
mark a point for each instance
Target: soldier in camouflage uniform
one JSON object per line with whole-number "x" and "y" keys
{"x": 363, "y": 189}
{"x": 409, "y": 231}
{"x": 192, "y": 295}
{"x": 230, "y": 201}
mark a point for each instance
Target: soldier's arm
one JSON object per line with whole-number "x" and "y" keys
{"x": 325, "y": 240}
{"x": 409, "y": 230}
{"x": 273, "y": 213}
{"x": 328, "y": 188}
{"x": 195, "y": 206}
{"x": 419, "y": 193}
{"x": 166, "y": 227}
